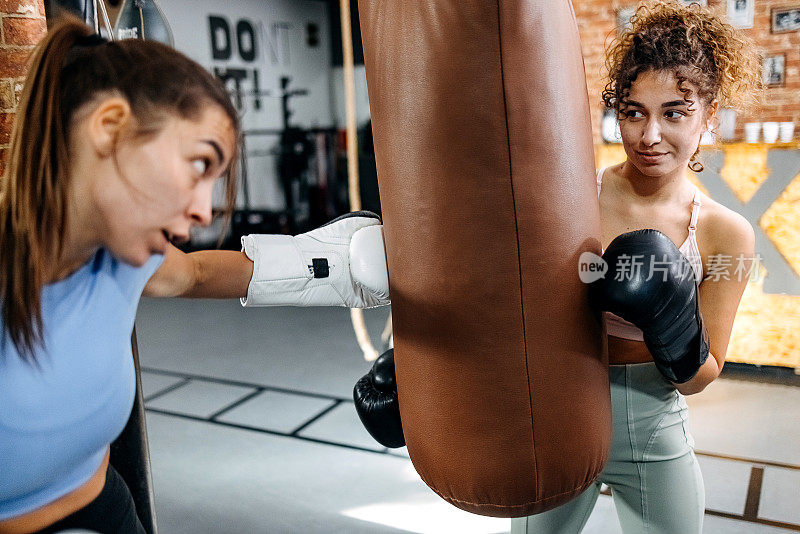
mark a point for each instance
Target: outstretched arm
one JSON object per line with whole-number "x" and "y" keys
{"x": 206, "y": 274}
{"x": 342, "y": 263}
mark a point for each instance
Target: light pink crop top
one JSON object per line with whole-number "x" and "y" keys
{"x": 619, "y": 327}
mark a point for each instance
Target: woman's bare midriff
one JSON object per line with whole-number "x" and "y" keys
{"x": 60, "y": 508}
{"x": 625, "y": 351}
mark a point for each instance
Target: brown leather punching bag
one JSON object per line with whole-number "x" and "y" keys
{"x": 486, "y": 176}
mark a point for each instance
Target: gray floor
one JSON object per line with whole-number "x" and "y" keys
{"x": 252, "y": 430}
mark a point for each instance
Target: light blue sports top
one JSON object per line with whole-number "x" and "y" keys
{"x": 57, "y": 419}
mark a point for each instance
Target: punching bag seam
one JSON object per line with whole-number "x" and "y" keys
{"x": 575, "y": 491}
{"x": 516, "y": 230}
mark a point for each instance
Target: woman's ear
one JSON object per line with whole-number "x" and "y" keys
{"x": 107, "y": 123}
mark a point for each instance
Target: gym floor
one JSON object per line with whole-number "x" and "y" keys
{"x": 252, "y": 429}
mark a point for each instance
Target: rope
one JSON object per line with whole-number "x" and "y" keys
{"x": 356, "y": 314}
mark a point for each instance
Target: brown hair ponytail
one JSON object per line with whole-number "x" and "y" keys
{"x": 32, "y": 192}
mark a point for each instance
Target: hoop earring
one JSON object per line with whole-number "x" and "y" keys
{"x": 694, "y": 165}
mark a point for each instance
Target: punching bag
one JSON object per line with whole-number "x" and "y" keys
{"x": 486, "y": 177}
{"x": 83, "y": 9}
{"x": 143, "y": 19}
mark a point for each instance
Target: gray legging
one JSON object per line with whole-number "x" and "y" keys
{"x": 652, "y": 472}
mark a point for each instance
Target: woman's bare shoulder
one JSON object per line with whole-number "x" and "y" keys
{"x": 724, "y": 230}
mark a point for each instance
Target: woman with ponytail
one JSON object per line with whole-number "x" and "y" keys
{"x": 114, "y": 154}
{"x": 115, "y": 149}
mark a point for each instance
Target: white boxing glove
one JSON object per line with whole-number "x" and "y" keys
{"x": 340, "y": 264}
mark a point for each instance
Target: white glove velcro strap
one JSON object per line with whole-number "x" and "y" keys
{"x": 284, "y": 271}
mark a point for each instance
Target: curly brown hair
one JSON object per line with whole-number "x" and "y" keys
{"x": 690, "y": 40}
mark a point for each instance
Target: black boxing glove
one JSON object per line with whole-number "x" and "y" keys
{"x": 660, "y": 297}
{"x": 375, "y": 396}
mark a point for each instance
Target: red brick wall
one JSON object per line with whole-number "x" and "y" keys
{"x": 597, "y": 21}
{"x": 22, "y": 24}
{"x": 779, "y": 103}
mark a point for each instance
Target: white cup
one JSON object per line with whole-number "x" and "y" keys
{"x": 751, "y": 132}
{"x": 770, "y": 130}
{"x": 610, "y": 128}
{"x": 727, "y": 124}
{"x": 787, "y": 132}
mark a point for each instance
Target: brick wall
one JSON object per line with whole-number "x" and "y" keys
{"x": 597, "y": 20}
{"x": 779, "y": 103}
{"x": 22, "y": 24}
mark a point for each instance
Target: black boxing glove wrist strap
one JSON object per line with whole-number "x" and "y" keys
{"x": 682, "y": 369}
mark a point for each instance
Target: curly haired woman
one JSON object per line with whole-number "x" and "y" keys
{"x": 669, "y": 73}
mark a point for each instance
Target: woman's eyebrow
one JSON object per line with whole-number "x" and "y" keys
{"x": 216, "y": 148}
{"x": 669, "y": 104}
